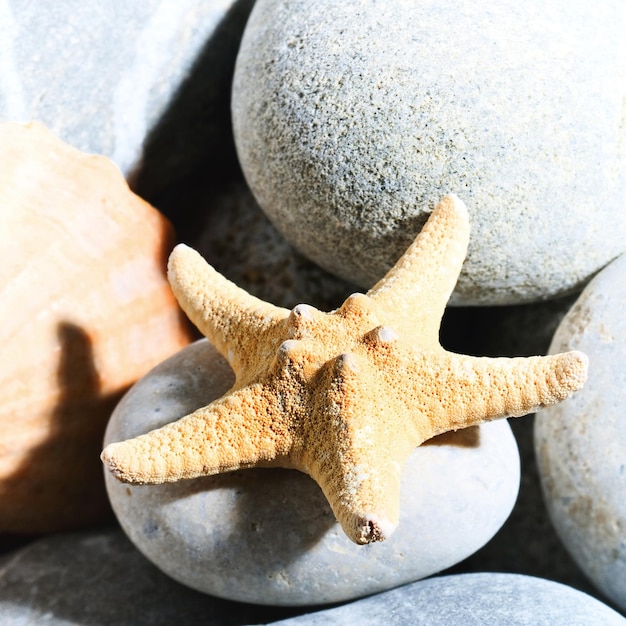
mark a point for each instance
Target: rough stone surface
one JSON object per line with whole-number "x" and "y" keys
{"x": 352, "y": 122}
{"x": 483, "y": 599}
{"x": 98, "y": 578}
{"x": 581, "y": 444}
{"x": 269, "y": 536}
{"x": 101, "y": 75}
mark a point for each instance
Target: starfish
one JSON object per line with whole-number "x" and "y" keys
{"x": 343, "y": 396}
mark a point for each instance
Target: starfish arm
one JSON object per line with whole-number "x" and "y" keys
{"x": 479, "y": 389}
{"x": 414, "y": 293}
{"x": 365, "y": 499}
{"x": 238, "y": 430}
{"x": 356, "y": 456}
{"x": 226, "y": 314}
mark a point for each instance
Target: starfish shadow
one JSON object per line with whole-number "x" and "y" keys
{"x": 260, "y": 500}
{"x": 464, "y": 438}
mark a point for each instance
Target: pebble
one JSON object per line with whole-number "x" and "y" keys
{"x": 99, "y": 577}
{"x": 102, "y": 77}
{"x": 581, "y": 443}
{"x": 488, "y": 599}
{"x": 352, "y": 122}
{"x": 269, "y": 536}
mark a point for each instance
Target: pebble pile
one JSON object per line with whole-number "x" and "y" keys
{"x": 517, "y": 109}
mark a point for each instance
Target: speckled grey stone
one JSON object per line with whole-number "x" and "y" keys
{"x": 269, "y": 536}
{"x": 99, "y": 578}
{"x": 100, "y": 75}
{"x": 581, "y": 444}
{"x": 483, "y": 599}
{"x": 351, "y": 122}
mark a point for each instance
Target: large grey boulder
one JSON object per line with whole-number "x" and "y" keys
{"x": 352, "y": 121}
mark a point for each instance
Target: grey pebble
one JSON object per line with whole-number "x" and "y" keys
{"x": 481, "y": 599}
{"x": 99, "y": 578}
{"x": 352, "y": 121}
{"x": 581, "y": 443}
{"x": 269, "y": 536}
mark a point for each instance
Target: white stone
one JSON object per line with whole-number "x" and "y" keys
{"x": 352, "y": 120}
{"x": 581, "y": 443}
{"x": 269, "y": 537}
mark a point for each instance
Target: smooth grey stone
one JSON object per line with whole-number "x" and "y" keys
{"x": 99, "y": 578}
{"x": 269, "y": 536}
{"x": 351, "y": 122}
{"x": 101, "y": 75}
{"x": 483, "y": 599}
{"x": 581, "y": 443}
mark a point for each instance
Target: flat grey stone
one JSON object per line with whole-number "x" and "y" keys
{"x": 352, "y": 122}
{"x": 483, "y": 599}
{"x": 581, "y": 443}
{"x": 99, "y": 578}
{"x": 269, "y": 536}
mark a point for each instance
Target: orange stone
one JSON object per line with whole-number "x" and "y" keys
{"x": 85, "y": 310}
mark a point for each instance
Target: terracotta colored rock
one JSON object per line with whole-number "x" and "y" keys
{"x": 85, "y": 310}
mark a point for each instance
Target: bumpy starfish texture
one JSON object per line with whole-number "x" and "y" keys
{"x": 342, "y": 396}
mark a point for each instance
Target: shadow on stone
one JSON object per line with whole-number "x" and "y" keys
{"x": 99, "y": 578}
{"x": 265, "y": 498}
{"x": 190, "y": 155}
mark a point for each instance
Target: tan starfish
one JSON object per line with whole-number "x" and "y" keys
{"x": 342, "y": 396}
